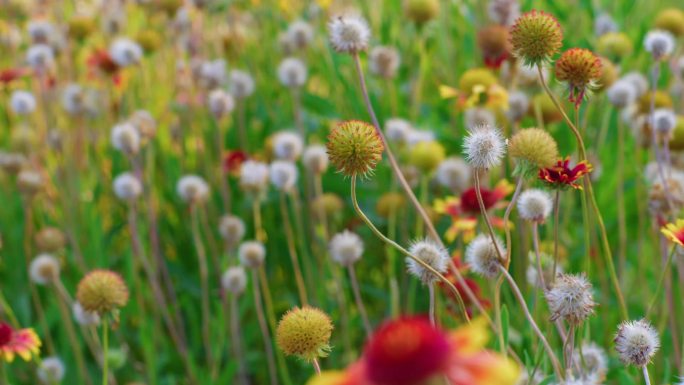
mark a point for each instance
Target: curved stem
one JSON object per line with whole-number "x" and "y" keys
{"x": 661, "y": 280}
{"x": 530, "y": 319}
{"x": 404, "y": 251}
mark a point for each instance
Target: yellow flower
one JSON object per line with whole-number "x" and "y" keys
{"x": 327, "y": 378}
{"x": 674, "y": 232}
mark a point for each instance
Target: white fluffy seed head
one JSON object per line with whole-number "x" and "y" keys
{"x": 659, "y": 44}
{"x": 349, "y": 33}
{"x": 22, "y": 102}
{"x": 292, "y": 72}
{"x": 397, "y": 130}
{"x": 73, "y": 99}
{"x": 253, "y": 176}
{"x": 84, "y": 317}
{"x": 145, "y": 123}
{"x": 636, "y": 342}
{"x": 220, "y": 103}
{"x": 431, "y": 254}
{"x": 482, "y": 257}
{"x": 639, "y": 82}
{"x": 44, "y": 269}
{"x": 604, "y": 24}
{"x": 283, "y": 174}
{"x": 315, "y": 158}
{"x": 241, "y": 84}
{"x": 346, "y": 248}
{"x": 232, "y": 229}
{"x": 479, "y": 116}
{"x": 622, "y": 93}
{"x": 484, "y": 147}
{"x": 252, "y": 254}
{"x": 51, "y": 370}
{"x": 503, "y": 12}
{"x": 287, "y": 145}
{"x": 664, "y": 121}
{"x": 125, "y": 52}
{"x": 518, "y": 104}
{"x": 211, "y": 73}
{"x": 30, "y": 181}
{"x": 454, "y": 174}
{"x": 40, "y": 57}
{"x": 192, "y": 189}
{"x": 40, "y": 31}
{"x": 593, "y": 361}
{"x": 126, "y": 138}
{"x": 300, "y": 34}
{"x": 384, "y": 61}
{"x": 535, "y": 205}
{"x": 127, "y": 187}
{"x": 415, "y": 136}
{"x": 570, "y": 298}
{"x": 234, "y": 280}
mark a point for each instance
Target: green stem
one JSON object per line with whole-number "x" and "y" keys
{"x": 105, "y": 350}
{"x": 664, "y": 273}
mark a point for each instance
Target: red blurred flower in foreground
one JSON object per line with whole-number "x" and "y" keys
{"x": 232, "y": 161}
{"x": 464, "y": 210}
{"x": 22, "y": 342}
{"x": 9, "y": 75}
{"x": 674, "y": 232}
{"x": 562, "y": 175}
{"x": 406, "y": 351}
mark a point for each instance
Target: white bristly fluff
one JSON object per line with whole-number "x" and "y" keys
{"x": 220, "y": 103}
{"x": 252, "y": 254}
{"x": 349, "y": 33}
{"x": 127, "y": 187}
{"x": 346, "y": 248}
{"x": 664, "y": 121}
{"x": 126, "y": 138}
{"x": 84, "y": 317}
{"x": 283, "y": 175}
{"x": 232, "y": 229}
{"x": 484, "y": 147}
{"x": 241, "y": 84}
{"x": 287, "y": 145}
{"x": 192, "y": 189}
{"x": 315, "y": 158}
{"x": 253, "y": 176}
{"x": 482, "y": 257}
{"x": 636, "y": 342}
{"x": 22, "y": 102}
{"x": 570, "y": 298}
{"x": 659, "y": 43}
{"x": 535, "y": 205}
{"x": 125, "y": 52}
{"x": 431, "y": 254}
{"x": 397, "y": 130}
{"x": 622, "y": 93}
{"x": 454, "y": 174}
{"x": 234, "y": 280}
{"x": 44, "y": 269}
{"x": 51, "y": 370}
{"x": 292, "y": 72}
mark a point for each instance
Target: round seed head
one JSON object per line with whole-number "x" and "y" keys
{"x": 431, "y": 254}
{"x": 44, "y": 269}
{"x": 622, "y": 93}
{"x": 536, "y": 36}
{"x": 354, "y": 148}
{"x": 102, "y": 291}
{"x": 348, "y": 34}
{"x": 232, "y": 229}
{"x": 292, "y": 72}
{"x": 571, "y": 299}
{"x": 636, "y": 342}
{"x": 578, "y": 67}
{"x": 482, "y": 257}
{"x": 234, "y": 280}
{"x": 659, "y": 43}
{"x": 593, "y": 361}
{"x": 127, "y": 187}
{"x": 426, "y": 156}
{"x": 253, "y": 176}
{"x": 252, "y": 254}
{"x": 346, "y": 248}
{"x": 30, "y": 182}
{"x": 22, "y": 102}
{"x": 484, "y": 147}
{"x": 518, "y": 105}
{"x": 300, "y": 34}
{"x": 384, "y": 61}
{"x": 671, "y": 20}
{"x": 615, "y": 45}
{"x": 305, "y": 333}
{"x": 534, "y": 146}
{"x": 604, "y": 24}
{"x": 315, "y": 159}
{"x": 397, "y": 130}
{"x": 50, "y": 239}
{"x": 664, "y": 121}
{"x": 535, "y": 205}
{"x": 287, "y": 145}
{"x": 125, "y": 52}
{"x": 241, "y": 84}
{"x": 192, "y": 189}
{"x": 283, "y": 175}
{"x": 220, "y": 103}
{"x": 84, "y": 317}
{"x": 51, "y": 370}
{"x": 126, "y": 138}
{"x": 454, "y": 174}
{"x": 421, "y": 11}
{"x": 503, "y": 12}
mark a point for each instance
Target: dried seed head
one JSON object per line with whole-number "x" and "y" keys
{"x": 622, "y": 93}
{"x": 300, "y": 34}
{"x": 232, "y": 229}
{"x": 494, "y": 43}
{"x": 534, "y": 146}
{"x": 659, "y": 43}
{"x": 50, "y": 239}
{"x": 479, "y": 116}
{"x": 252, "y": 254}
{"x": 234, "y": 280}
{"x": 614, "y": 45}
{"x": 287, "y": 145}
{"x": 484, "y": 147}
{"x": 44, "y": 269}
{"x": 126, "y": 138}
{"x": 253, "y": 176}
{"x": 241, "y": 84}
{"x": 454, "y": 174}
{"x": 30, "y": 182}
{"x": 84, "y": 317}
{"x": 192, "y": 189}
{"x": 636, "y": 342}
{"x": 518, "y": 105}
{"x": 664, "y": 121}
{"x": 397, "y": 130}
{"x": 390, "y": 203}
{"x": 433, "y": 255}
{"x": 22, "y": 102}
{"x": 102, "y": 291}
{"x": 315, "y": 159}
{"x": 346, "y": 248}
{"x": 349, "y": 34}
{"x": 354, "y": 148}
{"x": 283, "y": 175}
{"x": 384, "y": 61}
{"x": 535, "y": 205}
{"x": 571, "y": 299}
{"x": 292, "y": 72}
{"x": 220, "y": 103}
{"x": 125, "y": 52}
{"x": 145, "y": 123}
{"x": 482, "y": 257}
{"x": 127, "y": 187}
{"x": 593, "y": 361}
{"x": 51, "y": 370}
{"x": 604, "y": 24}
{"x": 305, "y": 333}
{"x": 536, "y": 36}
{"x": 503, "y": 12}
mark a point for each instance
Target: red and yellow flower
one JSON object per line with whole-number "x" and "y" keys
{"x": 562, "y": 175}
{"x": 22, "y": 342}
{"x": 464, "y": 210}
{"x": 674, "y": 232}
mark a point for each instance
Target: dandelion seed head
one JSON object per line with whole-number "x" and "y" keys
{"x": 482, "y": 257}
{"x": 432, "y": 255}
{"x": 252, "y": 254}
{"x": 44, "y": 269}
{"x": 535, "y": 205}
{"x": 348, "y": 33}
{"x": 234, "y": 280}
{"x": 126, "y": 138}
{"x": 636, "y": 342}
{"x": 484, "y": 147}
{"x": 659, "y": 44}
{"x": 570, "y": 298}
{"x": 346, "y": 248}
{"x": 192, "y": 189}
{"x": 454, "y": 174}
{"x": 127, "y": 187}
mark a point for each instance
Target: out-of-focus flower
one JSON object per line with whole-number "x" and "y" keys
{"x": 580, "y": 69}
{"x": 494, "y": 45}
{"x": 349, "y": 34}
{"x": 674, "y": 232}
{"x": 22, "y": 342}
{"x": 562, "y": 175}
{"x": 9, "y": 75}
{"x": 232, "y": 161}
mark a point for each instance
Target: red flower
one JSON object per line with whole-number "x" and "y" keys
{"x": 233, "y": 160}
{"x": 22, "y": 342}
{"x": 461, "y": 287}
{"x": 406, "y": 352}
{"x": 562, "y": 176}
{"x": 101, "y": 60}
{"x": 11, "y": 74}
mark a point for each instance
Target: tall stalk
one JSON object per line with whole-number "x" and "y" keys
{"x": 204, "y": 281}
{"x": 359, "y": 301}
{"x": 292, "y": 250}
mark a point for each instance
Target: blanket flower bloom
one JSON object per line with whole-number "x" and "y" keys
{"x": 562, "y": 175}
{"x": 22, "y": 342}
{"x": 674, "y": 232}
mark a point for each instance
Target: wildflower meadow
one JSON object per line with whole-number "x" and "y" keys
{"x": 341, "y": 192}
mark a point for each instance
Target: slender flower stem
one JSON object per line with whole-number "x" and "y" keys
{"x": 390, "y": 155}
{"x": 647, "y": 379}
{"x": 359, "y": 301}
{"x": 661, "y": 280}
{"x": 592, "y": 198}
{"x": 535, "y": 241}
{"x": 404, "y": 251}
{"x": 237, "y": 341}
{"x": 431, "y": 294}
{"x": 105, "y": 350}
{"x": 620, "y": 197}
{"x": 204, "y": 281}
{"x": 655, "y": 75}
{"x": 242, "y": 130}
{"x": 568, "y": 347}
{"x": 485, "y": 216}
{"x": 265, "y": 333}
{"x": 556, "y": 222}
{"x": 317, "y": 366}
{"x": 71, "y": 334}
{"x": 530, "y": 319}
{"x": 507, "y": 214}
{"x": 292, "y": 249}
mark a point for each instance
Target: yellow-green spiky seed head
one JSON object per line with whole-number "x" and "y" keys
{"x": 609, "y": 74}
{"x": 547, "y": 109}
{"x": 476, "y": 77}
{"x": 102, "y": 291}
{"x": 536, "y": 36}
{"x": 662, "y": 100}
{"x": 427, "y": 155}
{"x": 149, "y": 40}
{"x": 305, "y": 333}
{"x": 80, "y": 27}
{"x": 354, "y": 148}
{"x": 421, "y": 11}
{"x": 671, "y": 20}
{"x": 390, "y": 203}
{"x": 614, "y": 45}
{"x": 578, "y": 67}
{"x": 534, "y": 146}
